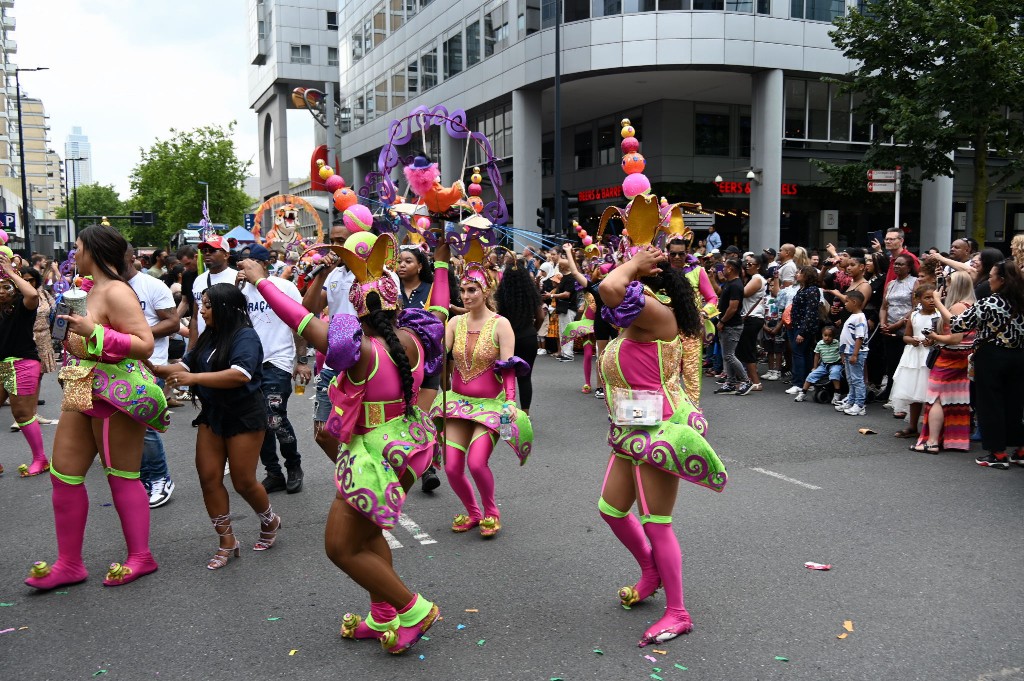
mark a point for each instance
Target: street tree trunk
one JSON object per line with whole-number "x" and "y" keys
{"x": 981, "y": 188}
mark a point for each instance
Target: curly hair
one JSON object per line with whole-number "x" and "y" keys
{"x": 1013, "y": 285}
{"x": 684, "y": 304}
{"x": 517, "y": 296}
{"x": 426, "y": 267}
{"x": 383, "y": 323}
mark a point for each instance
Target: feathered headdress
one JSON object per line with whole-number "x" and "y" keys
{"x": 370, "y": 274}
{"x": 476, "y": 267}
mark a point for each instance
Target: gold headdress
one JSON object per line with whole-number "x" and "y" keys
{"x": 370, "y": 274}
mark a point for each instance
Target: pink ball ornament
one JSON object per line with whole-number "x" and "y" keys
{"x": 588, "y": 240}
{"x": 475, "y": 189}
{"x": 633, "y": 163}
{"x": 344, "y": 199}
{"x": 3, "y": 237}
{"x": 358, "y": 218}
{"x": 316, "y": 257}
{"x": 423, "y": 223}
{"x": 334, "y": 183}
{"x": 636, "y": 184}
{"x": 630, "y": 145}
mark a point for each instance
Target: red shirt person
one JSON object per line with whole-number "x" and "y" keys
{"x": 894, "y": 239}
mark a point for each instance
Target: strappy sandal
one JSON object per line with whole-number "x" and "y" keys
{"x": 222, "y": 524}
{"x": 267, "y": 537}
{"x": 906, "y": 433}
{"x": 925, "y": 448}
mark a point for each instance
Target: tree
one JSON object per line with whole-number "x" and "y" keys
{"x": 939, "y": 76}
{"x": 93, "y": 199}
{"x": 166, "y": 182}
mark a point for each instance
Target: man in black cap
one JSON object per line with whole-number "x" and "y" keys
{"x": 284, "y": 358}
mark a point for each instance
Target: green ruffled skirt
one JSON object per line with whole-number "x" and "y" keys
{"x": 487, "y": 412}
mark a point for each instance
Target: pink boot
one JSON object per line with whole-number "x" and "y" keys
{"x": 34, "y": 436}
{"x": 669, "y": 560}
{"x": 627, "y": 530}
{"x": 132, "y": 506}
{"x": 70, "y": 510}
{"x": 414, "y": 621}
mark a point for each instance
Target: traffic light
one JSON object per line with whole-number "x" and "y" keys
{"x": 570, "y": 210}
{"x": 543, "y": 220}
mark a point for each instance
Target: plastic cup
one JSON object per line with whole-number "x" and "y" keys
{"x": 76, "y": 300}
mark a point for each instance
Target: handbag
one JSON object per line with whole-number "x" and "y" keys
{"x": 933, "y": 354}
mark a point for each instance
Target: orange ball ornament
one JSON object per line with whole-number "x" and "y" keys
{"x": 344, "y": 199}
{"x": 633, "y": 163}
{"x": 477, "y": 203}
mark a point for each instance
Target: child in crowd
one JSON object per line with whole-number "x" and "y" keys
{"x": 910, "y": 382}
{"x": 854, "y": 346}
{"x": 828, "y": 361}
{"x": 774, "y": 339}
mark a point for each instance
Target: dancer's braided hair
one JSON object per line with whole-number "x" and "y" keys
{"x": 684, "y": 304}
{"x": 383, "y": 322}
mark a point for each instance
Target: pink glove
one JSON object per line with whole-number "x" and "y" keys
{"x": 440, "y": 296}
{"x": 109, "y": 345}
{"x": 508, "y": 380}
{"x": 290, "y": 312}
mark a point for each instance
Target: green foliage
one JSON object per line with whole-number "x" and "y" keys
{"x": 166, "y": 181}
{"x": 938, "y": 76}
{"x": 93, "y": 199}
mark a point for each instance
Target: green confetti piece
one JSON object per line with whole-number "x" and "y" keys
{"x": 425, "y": 638}
{"x": 556, "y": 678}
{"x": 656, "y": 677}
{"x": 273, "y": 619}
{"x": 780, "y": 658}
{"x": 481, "y": 642}
{"x": 6, "y": 605}
{"x": 679, "y": 666}
{"x": 100, "y": 672}
{"x": 626, "y": 607}
{"x": 656, "y": 669}
{"x": 598, "y": 651}
{"x": 64, "y": 593}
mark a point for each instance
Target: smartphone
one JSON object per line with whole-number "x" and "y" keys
{"x": 59, "y": 331}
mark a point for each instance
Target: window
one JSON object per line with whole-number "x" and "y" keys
{"x": 606, "y": 8}
{"x": 398, "y": 14}
{"x": 796, "y": 109}
{"x": 817, "y": 110}
{"x": 547, "y": 158}
{"x": 818, "y": 10}
{"x": 380, "y": 25}
{"x": 370, "y": 111}
{"x": 739, "y": 5}
{"x": 412, "y": 82}
{"x": 332, "y": 21}
{"x": 473, "y": 43}
{"x": 861, "y": 125}
{"x": 631, "y": 6}
{"x": 261, "y": 28}
{"x": 673, "y": 4}
{"x": 357, "y": 45}
{"x": 583, "y": 150}
{"x": 359, "y": 111}
{"x": 398, "y": 95}
{"x": 496, "y": 30}
{"x": 453, "y": 55}
{"x": 528, "y": 17}
{"x": 839, "y": 116}
{"x": 367, "y": 35}
{"x": 428, "y": 69}
{"x": 301, "y": 54}
{"x": 332, "y": 56}
{"x": 608, "y": 152}
{"x": 711, "y": 134}
{"x": 745, "y": 135}
{"x": 575, "y": 10}
{"x": 709, "y": 4}
{"x": 380, "y": 96}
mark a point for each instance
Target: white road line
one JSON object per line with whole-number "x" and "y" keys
{"x": 786, "y": 478}
{"x": 414, "y": 529}
{"x": 392, "y": 542}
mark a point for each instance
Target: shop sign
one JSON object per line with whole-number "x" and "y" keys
{"x": 732, "y": 188}
{"x": 613, "y": 192}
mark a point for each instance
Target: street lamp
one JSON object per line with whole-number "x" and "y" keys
{"x": 21, "y": 149}
{"x": 74, "y": 189}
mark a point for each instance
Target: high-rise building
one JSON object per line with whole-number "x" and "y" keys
{"x": 77, "y": 146}
{"x": 10, "y": 188}
{"x": 42, "y": 164}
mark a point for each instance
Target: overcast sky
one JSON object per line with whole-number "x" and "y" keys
{"x": 127, "y": 71}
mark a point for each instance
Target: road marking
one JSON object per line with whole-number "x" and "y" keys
{"x": 414, "y": 529}
{"x": 392, "y": 542}
{"x": 786, "y": 478}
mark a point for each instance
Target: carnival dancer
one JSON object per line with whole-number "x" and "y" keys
{"x": 482, "y": 395}
{"x": 386, "y": 442}
{"x": 19, "y": 360}
{"x": 656, "y": 433}
{"x": 706, "y": 301}
{"x": 582, "y": 330}
{"x": 110, "y": 398}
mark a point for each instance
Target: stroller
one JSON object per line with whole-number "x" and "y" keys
{"x": 824, "y": 391}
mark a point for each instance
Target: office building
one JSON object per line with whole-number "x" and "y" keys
{"x": 76, "y": 145}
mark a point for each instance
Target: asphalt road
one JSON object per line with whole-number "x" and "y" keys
{"x": 926, "y": 554}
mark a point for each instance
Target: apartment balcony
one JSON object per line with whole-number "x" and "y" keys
{"x": 8, "y": 22}
{"x": 11, "y": 46}
{"x": 7, "y": 3}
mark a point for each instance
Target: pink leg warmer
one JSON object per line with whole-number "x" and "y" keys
{"x": 669, "y": 560}
{"x": 588, "y": 357}
{"x": 34, "y": 436}
{"x": 455, "y": 470}
{"x": 132, "y": 506}
{"x": 70, "y": 510}
{"x": 381, "y": 613}
{"x": 479, "y": 454}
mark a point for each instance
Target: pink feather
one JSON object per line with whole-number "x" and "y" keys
{"x": 421, "y": 180}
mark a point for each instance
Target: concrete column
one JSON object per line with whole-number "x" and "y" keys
{"x": 359, "y": 169}
{"x": 526, "y": 162}
{"x": 450, "y": 162}
{"x": 272, "y": 115}
{"x": 937, "y": 213}
{"x": 766, "y": 157}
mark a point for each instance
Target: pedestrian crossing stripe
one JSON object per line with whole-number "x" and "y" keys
{"x": 412, "y": 528}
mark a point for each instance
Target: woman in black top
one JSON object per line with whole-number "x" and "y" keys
{"x": 877, "y": 264}
{"x": 805, "y": 322}
{"x": 19, "y": 360}
{"x": 416, "y": 274}
{"x": 518, "y": 301}
{"x": 998, "y": 363}
{"x": 225, "y": 366}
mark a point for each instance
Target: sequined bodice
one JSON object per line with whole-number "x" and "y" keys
{"x": 637, "y": 365}
{"x": 485, "y": 352}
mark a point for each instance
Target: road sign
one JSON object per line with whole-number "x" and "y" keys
{"x": 886, "y": 175}
{"x": 249, "y": 221}
{"x": 889, "y": 187}
{"x": 8, "y": 220}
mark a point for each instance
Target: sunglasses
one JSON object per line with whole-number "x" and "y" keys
{"x": 208, "y": 251}
{"x": 677, "y": 254}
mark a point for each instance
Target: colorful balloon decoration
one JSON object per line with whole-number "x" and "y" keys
{"x": 636, "y": 183}
{"x": 344, "y": 199}
{"x": 358, "y": 218}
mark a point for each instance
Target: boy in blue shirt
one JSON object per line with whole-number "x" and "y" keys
{"x": 854, "y": 346}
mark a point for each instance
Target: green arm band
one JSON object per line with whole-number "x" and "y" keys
{"x": 305, "y": 320}
{"x": 439, "y": 310}
{"x": 94, "y": 345}
{"x": 440, "y": 265}
{"x": 610, "y": 510}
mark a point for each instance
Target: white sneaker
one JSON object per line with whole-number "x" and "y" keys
{"x": 800, "y": 396}
{"x": 854, "y": 410}
{"x": 843, "y": 406}
{"x": 160, "y": 492}
{"x": 793, "y": 390}
{"x": 773, "y": 375}
{"x": 542, "y": 351}
{"x": 888, "y": 405}
{"x": 836, "y": 400}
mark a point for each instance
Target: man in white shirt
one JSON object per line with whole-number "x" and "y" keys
{"x": 787, "y": 266}
{"x": 162, "y": 316}
{"x": 215, "y": 257}
{"x": 279, "y": 367}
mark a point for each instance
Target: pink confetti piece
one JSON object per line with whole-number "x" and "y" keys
{"x": 817, "y": 566}
{"x": 7, "y": 631}
{"x": 650, "y": 658}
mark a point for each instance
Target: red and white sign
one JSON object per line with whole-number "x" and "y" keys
{"x": 885, "y": 187}
{"x": 612, "y": 192}
{"x": 744, "y": 188}
{"x": 883, "y": 175}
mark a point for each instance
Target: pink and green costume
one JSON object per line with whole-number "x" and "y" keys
{"x": 693, "y": 346}
{"x": 378, "y": 442}
{"x": 583, "y": 330}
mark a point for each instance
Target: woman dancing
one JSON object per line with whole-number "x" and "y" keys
{"x": 583, "y": 329}
{"x": 19, "y": 360}
{"x": 387, "y": 442}
{"x": 483, "y": 392}
{"x": 110, "y": 398}
{"x": 225, "y": 371}
{"x": 653, "y": 304}
{"x": 518, "y": 301}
